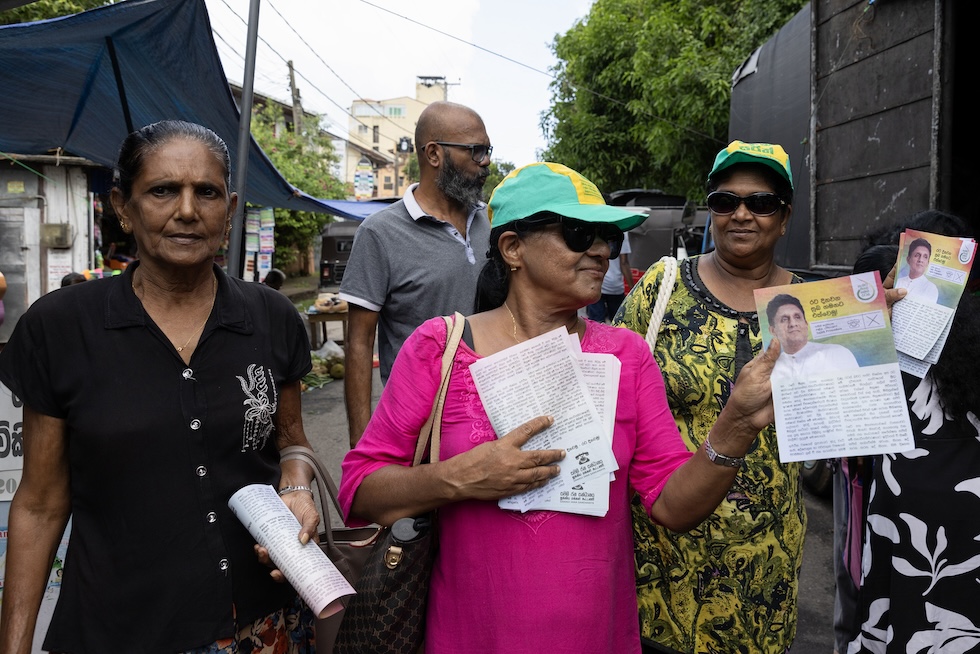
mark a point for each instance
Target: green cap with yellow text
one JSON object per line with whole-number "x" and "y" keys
{"x": 766, "y": 154}
{"x": 546, "y": 187}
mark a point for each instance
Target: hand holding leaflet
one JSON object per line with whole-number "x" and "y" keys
{"x": 542, "y": 376}
{"x": 306, "y": 567}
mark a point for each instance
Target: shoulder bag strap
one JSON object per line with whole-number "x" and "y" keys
{"x": 663, "y": 297}
{"x": 324, "y": 484}
{"x": 324, "y": 481}
{"x": 432, "y": 428}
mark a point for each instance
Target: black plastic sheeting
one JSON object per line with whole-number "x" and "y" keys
{"x": 771, "y": 104}
{"x": 81, "y": 83}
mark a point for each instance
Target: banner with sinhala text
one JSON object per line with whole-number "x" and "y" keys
{"x": 11, "y": 464}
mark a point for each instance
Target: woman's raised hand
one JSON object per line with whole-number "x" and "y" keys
{"x": 750, "y": 404}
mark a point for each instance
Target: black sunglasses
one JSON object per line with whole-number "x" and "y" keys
{"x": 578, "y": 234}
{"x": 478, "y": 151}
{"x": 761, "y": 204}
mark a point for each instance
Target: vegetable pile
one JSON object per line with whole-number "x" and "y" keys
{"x": 324, "y": 371}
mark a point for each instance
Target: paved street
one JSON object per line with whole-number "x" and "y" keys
{"x": 325, "y": 422}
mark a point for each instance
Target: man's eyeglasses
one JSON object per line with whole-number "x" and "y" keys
{"x": 580, "y": 235}
{"x": 761, "y": 204}
{"x": 478, "y": 151}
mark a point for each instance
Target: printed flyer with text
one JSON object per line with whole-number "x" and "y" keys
{"x": 837, "y": 388}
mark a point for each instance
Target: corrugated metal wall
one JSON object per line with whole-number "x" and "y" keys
{"x": 875, "y": 120}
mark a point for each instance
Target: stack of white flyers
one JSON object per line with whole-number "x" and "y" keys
{"x": 934, "y": 269}
{"x": 550, "y": 375}
{"x": 836, "y": 387}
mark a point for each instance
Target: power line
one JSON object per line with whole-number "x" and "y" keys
{"x": 314, "y": 86}
{"x": 536, "y": 70}
{"x": 586, "y": 89}
{"x": 232, "y": 49}
{"x": 328, "y": 67}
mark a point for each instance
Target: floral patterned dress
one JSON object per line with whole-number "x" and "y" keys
{"x": 730, "y": 584}
{"x": 920, "y": 589}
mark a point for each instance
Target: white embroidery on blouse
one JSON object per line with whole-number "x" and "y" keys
{"x": 261, "y": 402}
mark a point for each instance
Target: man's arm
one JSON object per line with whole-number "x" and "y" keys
{"x": 362, "y": 326}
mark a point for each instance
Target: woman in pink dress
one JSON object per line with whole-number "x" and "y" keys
{"x": 539, "y": 581}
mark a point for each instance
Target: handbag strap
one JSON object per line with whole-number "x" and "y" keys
{"x": 432, "y": 429}
{"x": 663, "y": 297}
{"x": 324, "y": 483}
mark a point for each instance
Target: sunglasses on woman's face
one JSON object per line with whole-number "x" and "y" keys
{"x": 580, "y": 235}
{"x": 760, "y": 204}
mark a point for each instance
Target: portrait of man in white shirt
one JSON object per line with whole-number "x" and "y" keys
{"x": 801, "y": 358}
{"x": 920, "y": 251}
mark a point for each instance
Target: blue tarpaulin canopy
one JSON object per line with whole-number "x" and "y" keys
{"x": 83, "y": 82}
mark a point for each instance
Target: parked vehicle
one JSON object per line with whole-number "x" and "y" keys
{"x": 337, "y": 241}
{"x": 674, "y": 227}
{"x": 818, "y": 476}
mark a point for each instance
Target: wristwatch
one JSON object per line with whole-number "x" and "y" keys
{"x": 721, "y": 459}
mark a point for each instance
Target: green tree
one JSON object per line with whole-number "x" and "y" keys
{"x": 412, "y": 171}
{"x": 498, "y": 170}
{"x": 42, "y": 9}
{"x": 304, "y": 160}
{"x": 642, "y": 88}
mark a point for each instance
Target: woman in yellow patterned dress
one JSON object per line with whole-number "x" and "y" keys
{"x": 730, "y": 584}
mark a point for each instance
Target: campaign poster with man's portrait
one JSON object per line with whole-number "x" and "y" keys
{"x": 837, "y": 387}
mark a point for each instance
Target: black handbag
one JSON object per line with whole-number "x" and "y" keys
{"x": 387, "y": 615}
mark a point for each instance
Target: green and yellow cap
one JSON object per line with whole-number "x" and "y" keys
{"x": 766, "y": 154}
{"x": 553, "y": 188}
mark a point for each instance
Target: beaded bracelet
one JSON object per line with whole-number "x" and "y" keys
{"x": 291, "y": 489}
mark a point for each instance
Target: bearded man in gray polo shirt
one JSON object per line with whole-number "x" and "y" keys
{"x": 420, "y": 257}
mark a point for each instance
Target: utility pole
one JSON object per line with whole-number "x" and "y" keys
{"x": 297, "y": 103}
{"x": 236, "y": 236}
{"x": 395, "y": 152}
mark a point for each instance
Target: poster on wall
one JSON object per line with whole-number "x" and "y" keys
{"x": 363, "y": 180}
{"x": 11, "y": 443}
{"x": 263, "y": 264}
{"x": 59, "y": 265}
{"x": 11, "y": 463}
{"x": 267, "y": 239}
{"x": 267, "y": 217}
{"x": 50, "y": 597}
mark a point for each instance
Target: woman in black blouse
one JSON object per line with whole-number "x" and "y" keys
{"x": 203, "y": 391}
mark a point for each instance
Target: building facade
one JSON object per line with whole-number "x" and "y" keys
{"x": 49, "y": 226}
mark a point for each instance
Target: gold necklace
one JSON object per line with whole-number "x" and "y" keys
{"x": 513, "y": 321}
{"x": 214, "y": 295}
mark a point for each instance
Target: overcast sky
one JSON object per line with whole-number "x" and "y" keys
{"x": 345, "y": 49}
